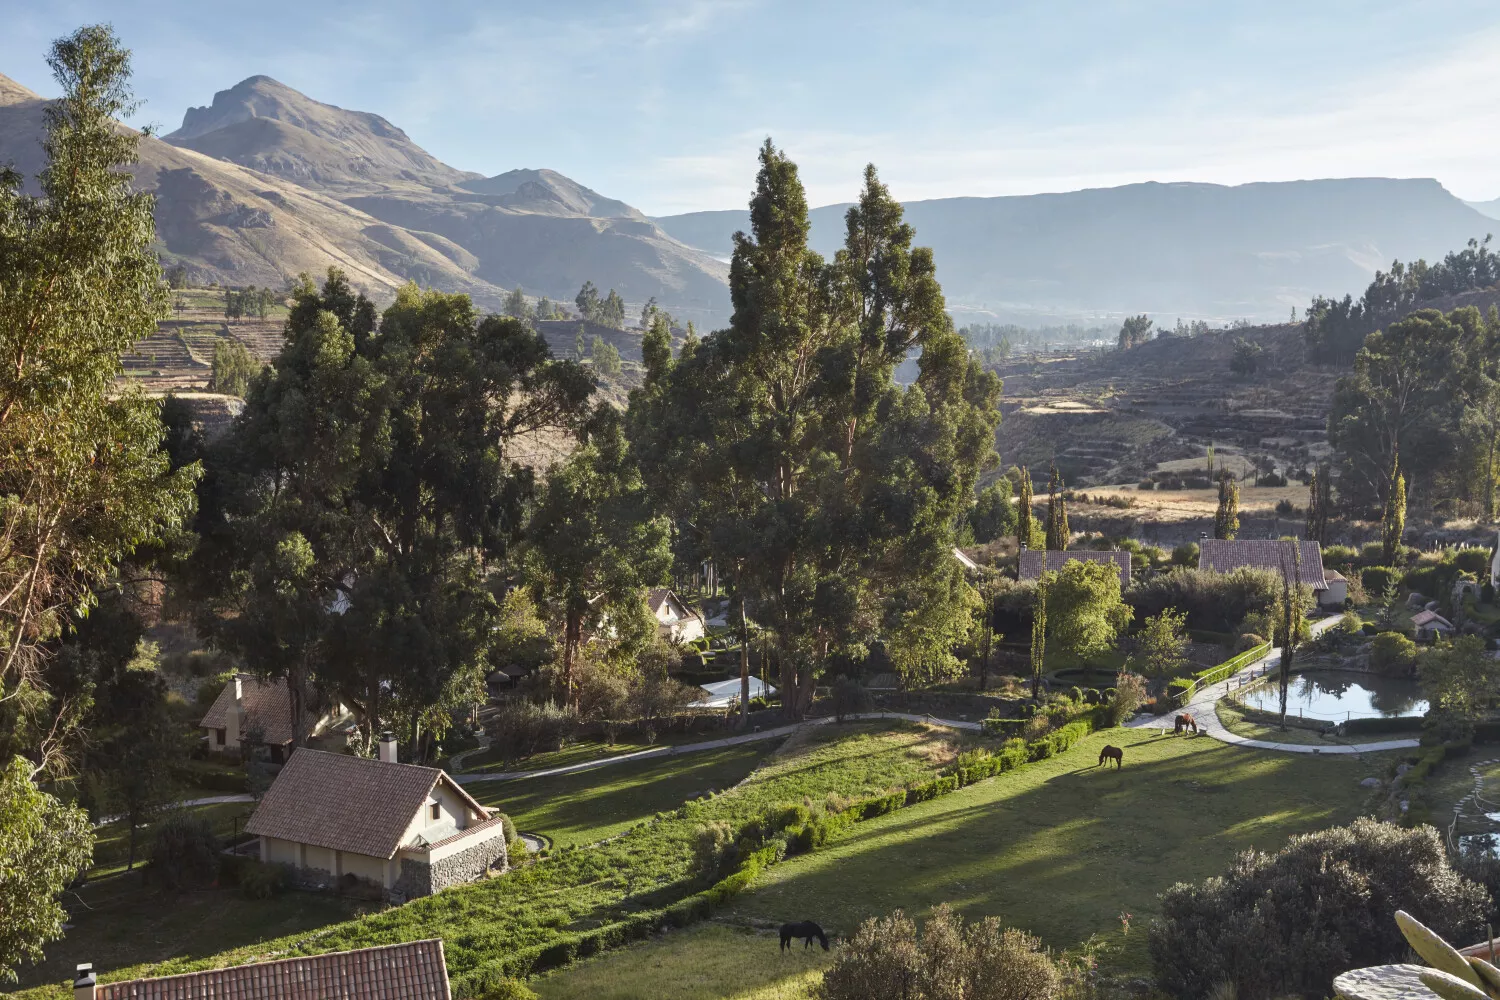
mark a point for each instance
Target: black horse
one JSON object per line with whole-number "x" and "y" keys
{"x": 806, "y": 930}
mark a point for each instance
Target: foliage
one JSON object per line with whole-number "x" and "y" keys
{"x": 516, "y": 307}
{"x": 45, "y": 845}
{"x": 522, "y": 728}
{"x": 351, "y": 511}
{"x": 1130, "y": 694}
{"x": 993, "y": 515}
{"x": 948, "y": 961}
{"x": 606, "y": 358}
{"x": 83, "y": 480}
{"x": 849, "y": 698}
{"x": 1136, "y": 330}
{"x": 1392, "y": 653}
{"x": 1160, "y": 645}
{"x": 1247, "y": 357}
{"x": 1058, "y": 533}
{"x": 233, "y": 367}
{"x": 1218, "y": 602}
{"x": 1287, "y": 923}
{"x": 1227, "y": 516}
{"x": 1084, "y": 611}
{"x": 1460, "y": 676}
{"x": 595, "y": 544}
{"x": 1039, "y": 636}
{"x": 1025, "y": 530}
{"x": 1319, "y": 504}
{"x": 184, "y": 853}
{"x": 1393, "y": 524}
{"x": 787, "y": 453}
{"x": 250, "y": 301}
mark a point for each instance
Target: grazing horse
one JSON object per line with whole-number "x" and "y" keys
{"x": 1185, "y": 721}
{"x": 806, "y": 930}
{"x": 1109, "y": 753}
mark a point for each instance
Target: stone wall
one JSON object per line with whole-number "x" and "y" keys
{"x": 418, "y": 878}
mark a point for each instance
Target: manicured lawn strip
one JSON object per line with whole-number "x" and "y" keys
{"x": 124, "y": 926}
{"x": 648, "y": 868}
{"x": 588, "y": 806}
{"x": 704, "y": 962}
{"x": 1062, "y": 847}
{"x": 1236, "y": 723}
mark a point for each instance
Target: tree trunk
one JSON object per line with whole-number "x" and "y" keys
{"x": 571, "y": 635}
{"x": 744, "y": 666}
{"x": 130, "y": 856}
{"x": 1489, "y": 482}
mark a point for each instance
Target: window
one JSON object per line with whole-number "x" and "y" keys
{"x": 437, "y": 811}
{"x": 219, "y": 737}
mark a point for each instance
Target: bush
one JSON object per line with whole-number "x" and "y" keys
{"x": 507, "y": 989}
{"x": 849, "y": 698}
{"x": 1340, "y": 557}
{"x": 1122, "y": 700}
{"x": 1381, "y": 724}
{"x": 262, "y": 881}
{"x": 1146, "y": 484}
{"x": 1214, "y": 601}
{"x": 887, "y": 958}
{"x": 1286, "y": 923}
{"x": 521, "y": 728}
{"x": 184, "y": 853}
{"x": 1392, "y": 653}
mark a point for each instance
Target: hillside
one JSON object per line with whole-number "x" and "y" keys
{"x": 1170, "y": 250}
{"x": 266, "y": 182}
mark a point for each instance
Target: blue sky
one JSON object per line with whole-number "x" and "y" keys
{"x": 663, "y": 103}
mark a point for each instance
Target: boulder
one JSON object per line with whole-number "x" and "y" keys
{"x": 1370, "y": 783}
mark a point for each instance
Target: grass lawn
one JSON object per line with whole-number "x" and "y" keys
{"x": 706, "y": 962}
{"x": 112, "y": 845}
{"x": 118, "y": 922}
{"x": 1236, "y": 723}
{"x": 587, "y": 806}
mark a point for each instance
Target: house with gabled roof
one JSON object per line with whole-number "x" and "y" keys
{"x": 1034, "y": 562}
{"x": 414, "y": 970}
{"x": 406, "y": 830}
{"x": 252, "y": 710}
{"x": 675, "y": 621}
{"x": 1223, "y": 555}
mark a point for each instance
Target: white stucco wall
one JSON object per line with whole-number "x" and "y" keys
{"x": 364, "y": 866}
{"x": 280, "y": 852}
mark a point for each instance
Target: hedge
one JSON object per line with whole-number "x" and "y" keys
{"x": 1398, "y": 724}
{"x": 1214, "y": 675}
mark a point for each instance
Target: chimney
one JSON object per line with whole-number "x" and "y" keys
{"x": 388, "y": 748}
{"x": 1023, "y": 546}
{"x": 235, "y": 716}
{"x": 239, "y": 690}
{"x": 83, "y": 982}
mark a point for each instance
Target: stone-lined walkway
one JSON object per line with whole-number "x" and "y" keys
{"x": 1201, "y": 707}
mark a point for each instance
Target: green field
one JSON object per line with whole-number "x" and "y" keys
{"x": 587, "y": 806}
{"x": 1059, "y": 848}
{"x": 706, "y": 962}
{"x": 1236, "y": 723}
{"x": 491, "y": 761}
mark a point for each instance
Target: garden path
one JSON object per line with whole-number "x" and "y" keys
{"x": 1201, "y": 707}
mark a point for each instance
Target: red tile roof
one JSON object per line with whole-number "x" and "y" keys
{"x": 347, "y": 803}
{"x": 411, "y": 971}
{"x": 267, "y": 706}
{"x": 1223, "y": 556}
{"x": 1032, "y": 561}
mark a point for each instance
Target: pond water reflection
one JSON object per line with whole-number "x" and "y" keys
{"x": 1337, "y": 695}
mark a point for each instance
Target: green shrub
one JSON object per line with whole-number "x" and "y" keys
{"x": 1376, "y": 578}
{"x": 184, "y": 853}
{"x": 1285, "y": 924}
{"x": 1340, "y": 557}
{"x": 507, "y": 989}
{"x": 1392, "y": 653}
{"x": 1177, "y": 687}
{"x": 258, "y": 880}
{"x": 1397, "y": 724}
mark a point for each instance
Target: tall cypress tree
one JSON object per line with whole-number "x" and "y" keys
{"x": 1227, "y": 517}
{"x": 1057, "y": 513}
{"x": 1395, "y": 513}
{"x": 1310, "y": 530}
{"x": 1023, "y": 511}
{"x": 1039, "y": 636}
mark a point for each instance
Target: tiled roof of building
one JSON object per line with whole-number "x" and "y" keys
{"x": 657, "y": 596}
{"x": 411, "y": 971}
{"x": 267, "y": 706}
{"x": 1032, "y": 561}
{"x": 347, "y": 803}
{"x": 1224, "y": 556}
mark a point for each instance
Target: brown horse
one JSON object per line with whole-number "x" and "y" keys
{"x": 1185, "y": 722}
{"x": 1112, "y": 753}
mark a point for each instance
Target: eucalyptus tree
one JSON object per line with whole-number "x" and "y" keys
{"x": 83, "y": 480}
{"x": 362, "y": 498}
{"x": 833, "y": 492}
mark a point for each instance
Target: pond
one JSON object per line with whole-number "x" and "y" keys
{"x": 1338, "y": 695}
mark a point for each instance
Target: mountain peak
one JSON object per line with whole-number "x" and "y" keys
{"x": 261, "y": 96}
{"x": 549, "y": 193}
{"x": 12, "y": 92}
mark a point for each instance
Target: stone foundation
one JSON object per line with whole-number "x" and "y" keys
{"x": 419, "y": 878}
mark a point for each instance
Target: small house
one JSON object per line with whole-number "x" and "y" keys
{"x": 1430, "y": 625}
{"x": 676, "y": 622}
{"x": 1035, "y": 561}
{"x": 402, "y": 829}
{"x": 1221, "y": 555}
{"x": 249, "y": 710}
{"x": 1338, "y": 589}
{"x": 415, "y": 970}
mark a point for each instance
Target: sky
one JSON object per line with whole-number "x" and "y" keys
{"x": 663, "y": 103}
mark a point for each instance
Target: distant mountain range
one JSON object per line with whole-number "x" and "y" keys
{"x": 266, "y": 182}
{"x": 1200, "y": 251}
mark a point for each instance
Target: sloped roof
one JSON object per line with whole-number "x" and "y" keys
{"x": 347, "y": 803}
{"x": 1425, "y": 618}
{"x": 411, "y": 971}
{"x": 1032, "y": 561}
{"x": 657, "y": 596}
{"x": 1226, "y": 555}
{"x": 268, "y": 707}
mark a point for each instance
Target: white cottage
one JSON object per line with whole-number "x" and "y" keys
{"x": 674, "y": 619}
{"x": 406, "y": 830}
